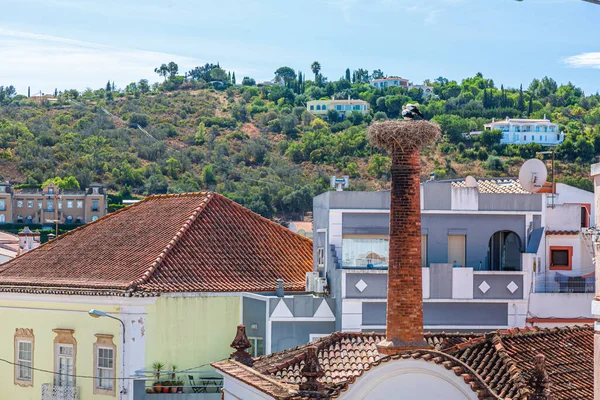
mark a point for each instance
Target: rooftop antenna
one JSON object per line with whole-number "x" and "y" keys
{"x": 532, "y": 175}
{"x": 471, "y": 182}
{"x": 339, "y": 184}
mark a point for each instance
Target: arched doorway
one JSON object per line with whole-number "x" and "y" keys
{"x": 504, "y": 252}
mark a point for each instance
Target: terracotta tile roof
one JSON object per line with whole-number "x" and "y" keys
{"x": 495, "y": 365}
{"x": 562, "y": 232}
{"x": 196, "y": 242}
{"x": 495, "y": 185}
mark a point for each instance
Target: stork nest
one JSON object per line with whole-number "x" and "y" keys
{"x": 403, "y": 135}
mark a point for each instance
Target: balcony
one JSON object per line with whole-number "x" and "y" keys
{"x": 53, "y": 392}
{"x": 559, "y": 282}
{"x": 188, "y": 385}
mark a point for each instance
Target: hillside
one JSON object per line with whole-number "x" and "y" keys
{"x": 260, "y": 147}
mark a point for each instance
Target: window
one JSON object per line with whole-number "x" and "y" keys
{"x": 537, "y": 128}
{"x": 65, "y": 352}
{"x": 524, "y": 138}
{"x": 356, "y": 107}
{"x": 517, "y": 128}
{"x": 50, "y": 190}
{"x": 457, "y": 249}
{"x": 2, "y": 189}
{"x": 2, "y": 219}
{"x": 19, "y": 203}
{"x": 95, "y": 190}
{"x": 60, "y": 205}
{"x": 29, "y": 203}
{"x": 318, "y": 107}
{"x": 104, "y": 364}
{"x": 23, "y": 357}
{"x": 69, "y": 203}
{"x": 324, "y": 107}
{"x": 339, "y": 107}
{"x": 50, "y": 205}
{"x": 40, "y": 204}
{"x": 95, "y": 217}
{"x": 515, "y": 137}
{"x": 79, "y": 203}
{"x": 360, "y": 251}
{"x": 423, "y": 251}
{"x": 2, "y": 204}
{"x": 540, "y": 138}
{"x": 320, "y": 256}
{"x": 95, "y": 205}
{"x": 585, "y": 215}
{"x": 312, "y": 107}
{"x": 257, "y": 346}
{"x": 561, "y": 257}
{"x": 348, "y": 107}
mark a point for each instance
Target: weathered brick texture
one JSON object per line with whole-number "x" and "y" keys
{"x": 405, "y": 298}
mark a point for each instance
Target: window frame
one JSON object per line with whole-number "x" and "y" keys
{"x": 64, "y": 337}
{"x": 19, "y": 203}
{"x": 79, "y": 203}
{"x": 105, "y": 342}
{"x": 568, "y": 267}
{"x": 23, "y": 335}
{"x": 254, "y": 345}
{"x": 70, "y": 204}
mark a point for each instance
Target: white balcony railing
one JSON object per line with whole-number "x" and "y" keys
{"x": 53, "y": 392}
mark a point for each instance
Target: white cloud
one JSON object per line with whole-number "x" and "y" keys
{"x": 584, "y": 60}
{"x": 46, "y": 62}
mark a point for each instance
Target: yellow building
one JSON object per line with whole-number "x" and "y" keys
{"x": 172, "y": 269}
{"x": 38, "y": 206}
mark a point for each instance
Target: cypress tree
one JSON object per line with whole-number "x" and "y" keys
{"x": 229, "y": 77}
{"x": 530, "y": 108}
{"x": 503, "y": 98}
{"x": 55, "y": 92}
{"x": 348, "y": 74}
{"x": 233, "y": 78}
{"x": 521, "y": 102}
{"x": 28, "y": 91}
{"x": 108, "y": 86}
{"x": 485, "y": 98}
{"x": 113, "y": 86}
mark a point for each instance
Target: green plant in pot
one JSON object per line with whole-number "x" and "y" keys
{"x": 173, "y": 388}
{"x": 157, "y": 367}
{"x": 166, "y": 386}
{"x": 179, "y": 385}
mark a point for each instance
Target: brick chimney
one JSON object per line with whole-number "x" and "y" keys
{"x": 403, "y": 139}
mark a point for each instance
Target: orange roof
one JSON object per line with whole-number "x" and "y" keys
{"x": 195, "y": 242}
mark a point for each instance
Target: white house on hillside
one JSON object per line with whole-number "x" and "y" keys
{"x": 382, "y": 83}
{"x": 523, "y": 131}
{"x": 343, "y": 107}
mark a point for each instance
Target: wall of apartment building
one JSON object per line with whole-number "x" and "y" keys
{"x": 7, "y": 211}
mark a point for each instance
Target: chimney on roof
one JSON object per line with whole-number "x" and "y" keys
{"x": 279, "y": 292}
{"x": 241, "y": 344}
{"x": 312, "y": 371}
{"x": 403, "y": 140}
{"x": 28, "y": 240}
{"x": 539, "y": 380}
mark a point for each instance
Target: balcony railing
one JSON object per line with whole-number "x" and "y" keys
{"x": 561, "y": 283}
{"x": 54, "y": 392}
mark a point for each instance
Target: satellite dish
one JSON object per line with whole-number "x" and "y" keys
{"x": 533, "y": 175}
{"x": 471, "y": 182}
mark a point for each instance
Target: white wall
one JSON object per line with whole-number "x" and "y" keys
{"x": 413, "y": 379}
{"x": 465, "y": 198}
{"x": 236, "y": 390}
{"x": 564, "y": 217}
{"x": 560, "y": 305}
{"x": 570, "y": 194}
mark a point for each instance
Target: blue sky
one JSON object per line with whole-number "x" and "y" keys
{"x": 77, "y": 44}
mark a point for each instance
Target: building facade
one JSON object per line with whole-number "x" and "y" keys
{"x": 342, "y": 107}
{"x": 39, "y": 206}
{"x": 523, "y": 131}
{"x": 494, "y": 256}
{"x": 179, "y": 271}
{"x": 382, "y": 83}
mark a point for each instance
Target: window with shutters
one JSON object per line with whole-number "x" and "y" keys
{"x": 24, "y": 341}
{"x": 65, "y": 354}
{"x": 104, "y": 362}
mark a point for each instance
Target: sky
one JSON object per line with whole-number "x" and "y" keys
{"x": 64, "y": 44}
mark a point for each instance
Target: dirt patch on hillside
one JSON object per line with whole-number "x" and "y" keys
{"x": 250, "y": 129}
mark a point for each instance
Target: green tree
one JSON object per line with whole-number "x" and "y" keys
{"x": 143, "y": 86}
{"x": 521, "y": 101}
{"x": 348, "y": 77}
{"x": 315, "y": 67}
{"x": 379, "y": 166}
{"x": 108, "y": 87}
{"x": 233, "y": 78}
{"x": 173, "y": 69}
{"x": 491, "y": 138}
{"x": 247, "y": 81}
{"x": 68, "y": 182}
{"x": 218, "y": 74}
{"x": 285, "y": 75}
{"x": 377, "y": 74}
{"x": 208, "y": 176}
{"x": 163, "y": 71}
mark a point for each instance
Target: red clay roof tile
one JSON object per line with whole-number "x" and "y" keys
{"x": 196, "y": 242}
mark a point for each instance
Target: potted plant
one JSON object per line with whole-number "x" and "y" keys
{"x": 173, "y": 388}
{"x": 180, "y": 385}
{"x": 157, "y": 366}
{"x": 165, "y": 386}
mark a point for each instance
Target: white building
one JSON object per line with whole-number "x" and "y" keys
{"x": 382, "y": 83}
{"x": 523, "y": 131}
{"x": 343, "y": 107}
